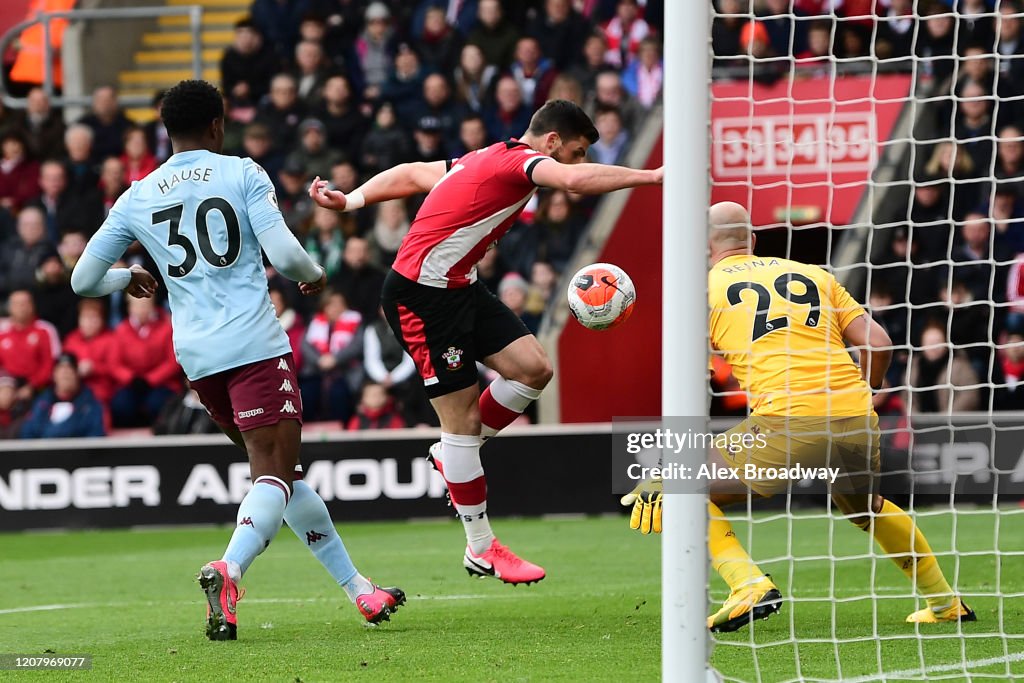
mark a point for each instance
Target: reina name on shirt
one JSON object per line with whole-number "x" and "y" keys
{"x": 196, "y": 175}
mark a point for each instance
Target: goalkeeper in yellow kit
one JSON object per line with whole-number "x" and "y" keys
{"x": 784, "y": 327}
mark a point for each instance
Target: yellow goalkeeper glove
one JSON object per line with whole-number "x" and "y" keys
{"x": 646, "y": 502}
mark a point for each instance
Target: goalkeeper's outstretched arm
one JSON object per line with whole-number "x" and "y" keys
{"x": 397, "y": 182}
{"x": 875, "y": 348}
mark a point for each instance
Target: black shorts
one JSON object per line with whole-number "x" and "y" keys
{"x": 446, "y": 331}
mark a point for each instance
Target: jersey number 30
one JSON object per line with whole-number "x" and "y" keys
{"x": 172, "y": 215}
{"x": 762, "y": 325}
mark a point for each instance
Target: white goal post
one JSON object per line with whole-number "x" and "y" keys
{"x": 684, "y": 328}
{"x": 884, "y": 141}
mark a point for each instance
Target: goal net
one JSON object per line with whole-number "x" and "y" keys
{"x": 884, "y": 140}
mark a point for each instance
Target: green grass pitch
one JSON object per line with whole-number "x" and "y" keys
{"x": 128, "y": 599}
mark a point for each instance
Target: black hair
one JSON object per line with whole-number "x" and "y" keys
{"x": 565, "y": 118}
{"x": 328, "y": 294}
{"x": 15, "y": 134}
{"x": 190, "y": 107}
{"x": 820, "y": 25}
{"x": 975, "y": 44}
{"x": 601, "y": 109}
{"x": 880, "y": 289}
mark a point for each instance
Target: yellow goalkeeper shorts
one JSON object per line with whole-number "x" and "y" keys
{"x": 783, "y": 448}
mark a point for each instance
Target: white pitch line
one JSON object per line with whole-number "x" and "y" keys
{"x": 937, "y": 669}
{"x": 48, "y": 608}
{"x": 255, "y": 601}
{"x": 271, "y": 601}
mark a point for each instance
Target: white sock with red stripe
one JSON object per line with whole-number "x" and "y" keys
{"x": 502, "y": 402}
{"x": 468, "y": 488}
{"x": 259, "y": 519}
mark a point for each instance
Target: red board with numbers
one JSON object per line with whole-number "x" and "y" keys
{"x": 809, "y": 145}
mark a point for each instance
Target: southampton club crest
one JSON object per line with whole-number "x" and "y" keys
{"x": 453, "y": 357}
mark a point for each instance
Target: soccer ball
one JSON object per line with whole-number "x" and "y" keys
{"x": 601, "y": 296}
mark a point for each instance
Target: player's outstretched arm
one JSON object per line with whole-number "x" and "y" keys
{"x": 291, "y": 260}
{"x": 400, "y": 181}
{"x": 93, "y": 277}
{"x": 592, "y": 178}
{"x": 876, "y": 348}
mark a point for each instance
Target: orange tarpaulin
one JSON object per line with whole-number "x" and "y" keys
{"x": 28, "y": 66}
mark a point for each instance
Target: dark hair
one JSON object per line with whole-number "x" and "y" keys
{"x": 313, "y": 16}
{"x": 328, "y": 294}
{"x": 131, "y": 130}
{"x": 190, "y": 107}
{"x": 820, "y": 25}
{"x": 975, "y": 44}
{"x": 880, "y": 289}
{"x": 602, "y": 110}
{"x": 565, "y": 118}
{"x": 19, "y": 137}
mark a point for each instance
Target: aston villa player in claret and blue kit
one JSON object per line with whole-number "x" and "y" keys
{"x": 205, "y": 218}
{"x": 448, "y": 321}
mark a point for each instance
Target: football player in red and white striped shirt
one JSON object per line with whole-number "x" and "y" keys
{"x": 448, "y": 321}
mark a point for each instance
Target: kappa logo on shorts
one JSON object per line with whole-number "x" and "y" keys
{"x": 453, "y": 357}
{"x": 283, "y": 365}
{"x": 288, "y": 407}
{"x": 286, "y": 386}
{"x": 249, "y": 413}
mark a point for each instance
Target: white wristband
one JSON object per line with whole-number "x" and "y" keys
{"x": 354, "y": 200}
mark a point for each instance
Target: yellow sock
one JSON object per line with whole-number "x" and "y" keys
{"x": 728, "y": 557}
{"x": 893, "y": 531}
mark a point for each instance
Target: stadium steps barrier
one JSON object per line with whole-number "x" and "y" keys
{"x": 215, "y": 38}
{"x": 166, "y": 52}
{"x": 225, "y": 18}
{"x": 91, "y": 57}
{"x": 212, "y": 4}
{"x": 162, "y": 78}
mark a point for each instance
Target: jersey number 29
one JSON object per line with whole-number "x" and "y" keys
{"x": 173, "y": 216}
{"x": 762, "y": 325}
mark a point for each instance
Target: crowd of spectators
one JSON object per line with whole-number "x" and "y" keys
{"x": 337, "y": 88}
{"x": 946, "y": 276}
